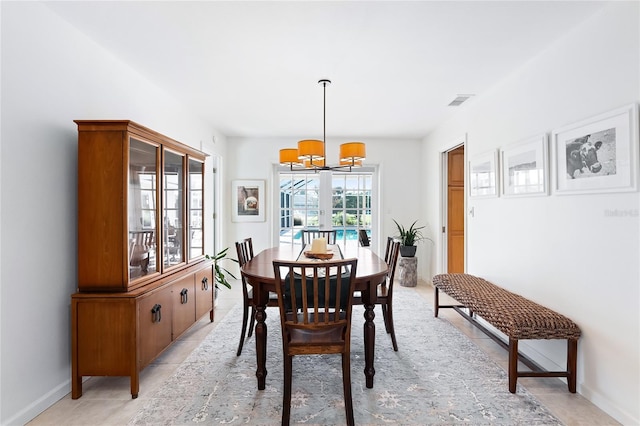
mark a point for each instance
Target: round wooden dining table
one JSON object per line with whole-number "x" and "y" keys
{"x": 258, "y": 272}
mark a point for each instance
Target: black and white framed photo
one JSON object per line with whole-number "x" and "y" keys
{"x": 247, "y": 201}
{"x": 483, "y": 176}
{"x": 525, "y": 170}
{"x": 599, "y": 154}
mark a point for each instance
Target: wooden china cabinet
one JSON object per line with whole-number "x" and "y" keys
{"x": 143, "y": 278}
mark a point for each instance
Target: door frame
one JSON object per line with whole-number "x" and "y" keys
{"x": 444, "y": 178}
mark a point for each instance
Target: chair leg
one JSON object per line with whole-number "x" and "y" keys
{"x": 245, "y": 314}
{"x": 253, "y": 321}
{"x": 286, "y": 398}
{"x": 391, "y": 329}
{"x": 385, "y": 318}
{"x": 346, "y": 387}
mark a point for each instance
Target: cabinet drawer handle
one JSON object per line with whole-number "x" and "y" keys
{"x": 205, "y": 283}
{"x": 156, "y": 313}
{"x": 184, "y": 296}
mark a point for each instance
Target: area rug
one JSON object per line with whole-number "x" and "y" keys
{"x": 438, "y": 376}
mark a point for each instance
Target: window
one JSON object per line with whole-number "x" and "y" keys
{"x": 351, "y": 205}
{"x": 326, "y": 200}
{"x": 148, "y": 200}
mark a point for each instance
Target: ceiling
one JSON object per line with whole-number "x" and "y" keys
{"x": 251, "y": 68}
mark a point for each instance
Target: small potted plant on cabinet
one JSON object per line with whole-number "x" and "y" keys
{"x": 408, "y": 238}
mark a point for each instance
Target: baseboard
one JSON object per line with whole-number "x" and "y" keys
{"x": 609, "y": 407}
{"x": 32, "y": 411}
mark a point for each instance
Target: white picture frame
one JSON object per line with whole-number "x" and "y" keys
{"x": 525, "y": 168}
{"x": 248, "y": 201}
{"x": 611, "y": 139}
{"x": 483, "y": 175}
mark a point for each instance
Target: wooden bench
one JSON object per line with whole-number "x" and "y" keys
{"x": 517, "y": 317}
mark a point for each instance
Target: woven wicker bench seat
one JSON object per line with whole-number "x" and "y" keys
{"x": 515, "y": 316}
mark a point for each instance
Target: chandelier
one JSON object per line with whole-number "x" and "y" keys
{"x": 310, "y": 155}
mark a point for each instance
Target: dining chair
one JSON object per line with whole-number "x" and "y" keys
{"x": 308, "y": 235}
{"x": 363, "y": 238}
{"x": 387, "y": 250}
{"x": 385, "y": 290}
{"x": 244, "y": 248}
{"x": 315, "y": 317}
{"x": 140, "y": 245}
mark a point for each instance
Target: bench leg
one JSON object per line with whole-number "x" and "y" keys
{"x": 572, "y": 361}
{"x": 436, "y": 302}
{"x": 513, "y": 364}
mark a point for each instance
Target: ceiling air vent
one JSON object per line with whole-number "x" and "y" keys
{"x": 459, "y": 100}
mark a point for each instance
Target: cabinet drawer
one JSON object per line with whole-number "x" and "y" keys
{"x": 154, "y": 319}
{"x": 184, "y": 304}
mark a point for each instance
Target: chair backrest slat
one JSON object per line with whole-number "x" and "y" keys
{"x": 314, "y": 294}
{"x": 244, "y": 250}
{"x": 363, "y": 238}
{"x": 392, "y": 262}
{"x": 308, "y": 235}
{"x": 387, "y": 251}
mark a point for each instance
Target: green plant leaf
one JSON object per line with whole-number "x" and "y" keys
{"x": 409, "y": 237}
{"x": 220, "y": 277}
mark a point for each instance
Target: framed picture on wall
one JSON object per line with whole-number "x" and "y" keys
{"x": 524, "y": 168}
{"x": 483, "y": 176}
{"x": 599, "y": 154}
{"x": 248, "y": 201}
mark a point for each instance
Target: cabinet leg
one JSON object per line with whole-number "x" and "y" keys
{"x": 135, "y": 385}
{"x": 76, "y": 386}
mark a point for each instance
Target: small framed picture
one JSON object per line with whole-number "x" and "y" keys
{"x": 599, "y": 154}
{"x": 248, "y": 201}
{"x": 524, "y": 168}
{"x": 483, "y": 177}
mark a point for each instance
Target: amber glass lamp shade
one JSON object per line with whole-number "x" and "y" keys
{"x": 311, "y": 149}
{"x": 352, "y": 151}
{"x": 289, "y": 157}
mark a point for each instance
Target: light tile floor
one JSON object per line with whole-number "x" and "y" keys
{"x": 107, "y": 400}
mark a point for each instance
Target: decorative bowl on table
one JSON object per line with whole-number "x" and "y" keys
{"x": 323, "y": 256}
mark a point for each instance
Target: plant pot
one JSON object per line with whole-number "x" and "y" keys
{"x": 408, "y": 251}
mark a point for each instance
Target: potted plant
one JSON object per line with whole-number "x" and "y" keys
{"x": 220, "y": 277}
{"x": 408, "y": 238}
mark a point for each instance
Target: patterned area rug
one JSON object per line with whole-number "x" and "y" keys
{"x": 438, "y": 376}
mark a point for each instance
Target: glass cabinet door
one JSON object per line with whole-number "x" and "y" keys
{"x": 196, "y": 176}
{"x": 142, "y": 207}
{"x": 173, "y": 209}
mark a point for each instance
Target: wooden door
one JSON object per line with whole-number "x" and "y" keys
{"x": 455, "y": 211}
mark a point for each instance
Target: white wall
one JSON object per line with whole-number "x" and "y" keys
{"x": 51, "y": 75}
{"x": 563, "y": 251}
